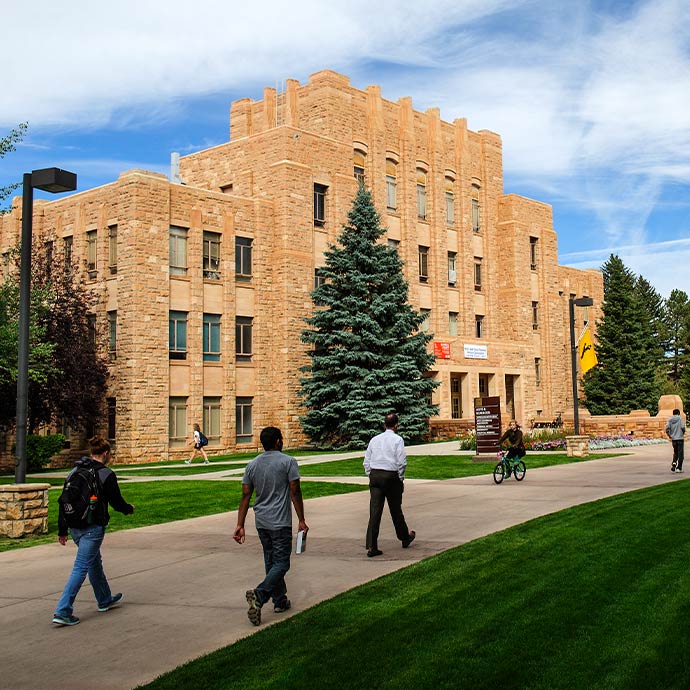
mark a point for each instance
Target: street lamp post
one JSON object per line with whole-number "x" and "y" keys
{"x": 572, "y": 303}
{"x": 53, "y": 180}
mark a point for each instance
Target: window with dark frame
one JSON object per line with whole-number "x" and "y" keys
{"x": 319, "y": 278}
{"x": 537, "y": 372}
{"x": 423, "y": 264}
{"x": 243, "y": 257}
{"x": 92, "y": 253}
{"x": 211, "y": 336}
{"x": 477, "y": 273}
{"x": 479, "y": 326}
{"x": 391, "y": 185}
{"x": 112, "y": 334}
{"x": 452, "y": 273}
{"x": 243, "y": 419}
{"x": 533, "y": 253}
{"x": 320, "y": 191}
{"x": 178, "y": 250}
{"x": 177, "y": 335}
{"x": 243, "y": 338}
{"x": 112, "y": 249}
{"x": 211, "y": 418}
{"x": 452, "y": 323}
{"x": 421, "y": 194}
{"x": 211, "y": 255}
{"x": 476, "y": 222}
{"x": 359, "y": 167}
{"x": 177, "y": 421}
{"x": 535, "y": 316}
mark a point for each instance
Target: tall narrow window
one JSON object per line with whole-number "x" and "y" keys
{"x": 535, "y": 316}
{"x": 479, "y": 326}
{"x": 91, "y": 330}
{"x": 391, "y": 185}
{"x": 243, "y": 257}
{"x": 537, "y": 372}
{"x": 211, "y": 420}
{"x": 91, "y": 252}
{"x": 450, "y": 201}
{"x": 67, "y": 244}
{"x": 112, "y": 418}
{"x": 476, "y": 226}
{"x": 320, "y": 204}
{"x": 243, "y": 419}
{"x": 533, "y": 253}
{"x": 112, "y": 249}
{"x": 243, "y": 338}
{"x": 177, "y": 335}
{"x": 421, "y": 193}
{"x": 452, "y": 274}
{"x": 360, "y": 159}
{"x": 319, "y": 278}
{"x": 426, "y": 324}
{"x": 177, "y": 421}
{"x": 112, "y": 334}
{"x": 211, "y": 254}
{"x": 477, "y": 273}
{"x": 423, "y": 264}
{"x": 211, "y": 335}
{"x": 452, "y": 323}
{"x": 178, "y": 250}
{"x": 483, "y": 384}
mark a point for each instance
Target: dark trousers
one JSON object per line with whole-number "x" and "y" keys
{"x": 678, "y": 453}
{"x": 277, "y": 544}
{"x": 384, "y": 486}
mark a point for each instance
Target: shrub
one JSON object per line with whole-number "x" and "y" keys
{"x": 39, "y": 449}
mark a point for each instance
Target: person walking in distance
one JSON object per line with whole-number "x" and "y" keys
{"x": 675, "y": 430}
{"x": 198, "y": 441}
{"x": 275, "y": 478}
{"x": 88, "y": 533}
{"x": 384, "y": 462}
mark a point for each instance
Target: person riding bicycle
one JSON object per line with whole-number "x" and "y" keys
{"x": 516, "y": 446}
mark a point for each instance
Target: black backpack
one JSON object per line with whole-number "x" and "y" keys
{"x": 82, "y": 496}
{"x": 203, "y": 441}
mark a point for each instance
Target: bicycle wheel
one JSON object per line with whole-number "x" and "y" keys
{"x": 519, "y": 471}
{"x": 499, "y": 472}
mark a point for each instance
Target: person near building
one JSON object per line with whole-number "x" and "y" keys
{"x": 675, "y": 430}
{"x": 198, "y": 446}
{"x": 274, "y": 477}
{"x": 516, "y": 446}
{"x": 385, "y": 461}
{"x": 88, "y": 536}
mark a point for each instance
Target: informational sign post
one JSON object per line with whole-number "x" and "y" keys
{"x": 487, "y": 423}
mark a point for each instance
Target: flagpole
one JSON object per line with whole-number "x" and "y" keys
{"x": 572, "y": 303}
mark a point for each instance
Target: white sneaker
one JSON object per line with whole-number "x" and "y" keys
{"x": 187, "y": 462}
{"x": 680, "y": 469}
{"x": 207, "y": 462}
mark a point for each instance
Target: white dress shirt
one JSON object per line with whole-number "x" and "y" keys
{"x": 386, "y": 451}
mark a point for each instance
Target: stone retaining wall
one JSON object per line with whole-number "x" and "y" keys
{"x": 23, "y": 509}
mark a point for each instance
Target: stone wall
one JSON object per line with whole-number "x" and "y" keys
{"x": 23, "y": 509}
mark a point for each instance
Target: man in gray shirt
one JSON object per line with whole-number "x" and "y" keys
{"x": 675, "y": 430}
{"x": 275, "y": 478}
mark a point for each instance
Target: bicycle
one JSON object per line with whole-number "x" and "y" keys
{"x": 505, "y": 467}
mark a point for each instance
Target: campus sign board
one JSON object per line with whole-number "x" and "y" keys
{"x": 487, "y": 423}
{"x": 475, "y": 351}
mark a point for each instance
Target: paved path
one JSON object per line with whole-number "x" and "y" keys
{"x": 184, "y": 582}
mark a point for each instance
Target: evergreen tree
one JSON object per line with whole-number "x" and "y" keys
{"x": 625, "y": 378}
{"x": 7, "y": 145}
{"x": 368, "y": 357}
{"x": 677, "y": 318}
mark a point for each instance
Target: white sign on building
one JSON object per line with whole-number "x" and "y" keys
{"x": 475, "y": 352}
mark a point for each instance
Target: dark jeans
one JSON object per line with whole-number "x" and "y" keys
{"x": 384, "y": 486}
{"x": 277, "y": 545}
{"x": 678, "y": 453}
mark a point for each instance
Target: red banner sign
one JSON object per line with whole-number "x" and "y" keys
{"x": 442, "y": 350}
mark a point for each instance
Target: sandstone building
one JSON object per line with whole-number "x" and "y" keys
{"x": 204, "y": 281}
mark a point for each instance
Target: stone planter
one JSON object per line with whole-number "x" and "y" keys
{"x": 23, "y": 509}
{"x": 577, "y": 446}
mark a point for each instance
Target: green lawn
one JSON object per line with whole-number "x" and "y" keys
{"x": 158, "y": 502}
{"x": 440, "y": 466}
{"x": 194, "y": 468}
{"x": 591, "y": 598}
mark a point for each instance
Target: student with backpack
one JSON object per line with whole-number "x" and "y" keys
{"x": 83, "y": 510}
{"x": 199, "y": 441}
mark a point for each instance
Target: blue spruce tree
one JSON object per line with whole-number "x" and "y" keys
{"x": 369, "y": 357}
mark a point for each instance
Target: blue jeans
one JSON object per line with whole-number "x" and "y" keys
{"x": 88, "y": 561}
{"x": 277, "y": 545}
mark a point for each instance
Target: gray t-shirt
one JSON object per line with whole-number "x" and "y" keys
{"x": 270, "y": 474}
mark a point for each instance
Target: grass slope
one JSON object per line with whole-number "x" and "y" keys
{"x": 592, "y": 597}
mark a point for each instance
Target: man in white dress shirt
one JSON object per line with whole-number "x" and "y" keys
{"x": 384, "y": 463}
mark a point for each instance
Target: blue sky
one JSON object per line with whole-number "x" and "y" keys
{"x": 591, "y": 99}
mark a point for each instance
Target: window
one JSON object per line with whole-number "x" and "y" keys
{"x": 243, "y": 258}
{"x": 177, "y": 421}
{"x": 421, "y": 194}
{"x": 452, "y": 275}
{"x": 91, "y": 252}
{"x": 211, "y": 420}
{"x": 112, "y": 249}
{"x": 426, "y": 323}
{"x": 479, "y": 326}
{"x": 67, "y": 244}
{"x": 243, "y": 420}
{"x": 535, "y": 316}
{"x": 211, "y": 252}
{"x": 319, "y": 278}
{"x": 483, "y": 385}
{"x": 178, "y": 250}
{"x": 359, "y": 165}
{"x": 112, "y": 412}
{"x": 112, "y": 334}
{"x": 391, "y": 185}
{"x": 537, "y": 372}
{"x": 394, "y": 244}
{"x": 226, "y": 188}
{"x": 177, "y": 335}
{"x": 452, "y": 323}
{"x": 211, "y": 335}
{"x": 533, "y": 253}
{"x": 476, "y": 227}
{"x": 423, "y": 264}
{"x": 450, "y": 201}
{"x": 91, "y": 330}
{"x": 243, "y": 338}
{"x": 477, "y": 273}
{"x": 320, "y": 204}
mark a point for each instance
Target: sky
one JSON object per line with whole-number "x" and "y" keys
{"x": 591, "y": 98}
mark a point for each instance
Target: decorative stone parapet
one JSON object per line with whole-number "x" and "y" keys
{"x": 577, "y": 446}
{"x": 23, "y": 509}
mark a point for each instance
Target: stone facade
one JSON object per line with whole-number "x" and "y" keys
{"x": 439, "y": 189}
{"x": 23, "y": 509}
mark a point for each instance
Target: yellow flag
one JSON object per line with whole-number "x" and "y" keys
{"x": 588, "y": 358}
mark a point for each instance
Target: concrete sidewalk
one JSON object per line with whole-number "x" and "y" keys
{"x": 184, "y": 582}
